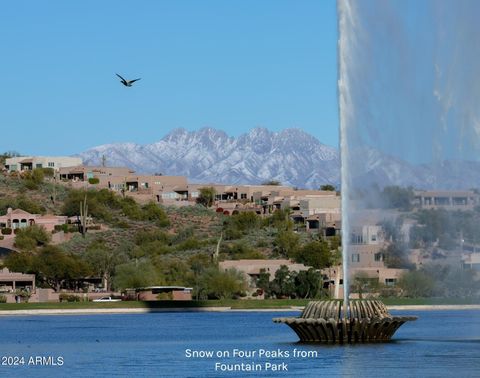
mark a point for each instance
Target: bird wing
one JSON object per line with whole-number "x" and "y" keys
{"x": 121, "y": 77}
{"x": 134, "y": 80}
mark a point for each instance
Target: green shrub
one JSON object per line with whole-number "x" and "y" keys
{"x": 240, "y": 250}
{"x": 131, "y": 209}
{"x": 73, "y": 228}
{"x": 48, "y": 172}
{"x": 6, "y": 231}
{"x": 3, "y": 299}
{"x": 29, "y": 205}
{"x": 262, "y": 243}
{"x": 30, "y": 184}
{"x": 2, "y": 237}
{"x": 64, "y": 297}
{"x": 165, "y": 296}
{"x": 122, "y": 224}
{"x": 153, "y": 212}
{"x": 30, "y": 237}
{"x": 66, "y": 228}
{"x": 189, "y": 244}
{"x": 61, "y": 227}
{"x": 144, "y": 237}
{"x": 93, "y": 180}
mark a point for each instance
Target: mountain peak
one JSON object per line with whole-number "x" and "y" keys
{"x": 210, "y": 155}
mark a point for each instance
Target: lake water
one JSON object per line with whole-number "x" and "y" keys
{"x": 438, "y": 344}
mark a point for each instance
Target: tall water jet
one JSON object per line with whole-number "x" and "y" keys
{"x": 344, "y": 18}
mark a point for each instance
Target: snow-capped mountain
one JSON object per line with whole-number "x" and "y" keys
{"x": 291, "y": 156}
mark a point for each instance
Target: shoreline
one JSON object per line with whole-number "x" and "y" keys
{"x": 433, "y": 307}
{"x": 102, "y": 311}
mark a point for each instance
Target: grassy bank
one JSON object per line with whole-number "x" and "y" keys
{"x": 234, "y": 304}
{"x": 430, "y": 301}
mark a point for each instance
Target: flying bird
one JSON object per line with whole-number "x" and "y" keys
{"x": 127, "y": 83}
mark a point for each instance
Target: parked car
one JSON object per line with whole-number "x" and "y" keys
{"x": 106, "y": 299}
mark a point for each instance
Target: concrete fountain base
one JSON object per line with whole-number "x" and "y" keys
{"x": 323, "y": 322}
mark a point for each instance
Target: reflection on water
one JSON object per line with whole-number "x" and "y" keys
{"x": 439, "y": 343}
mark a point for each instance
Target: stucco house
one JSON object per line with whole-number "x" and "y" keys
{"x": 28, "y": 163}
{"x": 21, "y": 219}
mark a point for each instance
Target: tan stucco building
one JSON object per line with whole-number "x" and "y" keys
{"x": 28, "y": 163}
{"x": 21, "y": 219}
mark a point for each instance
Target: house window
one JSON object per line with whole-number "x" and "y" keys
{"x": 357, "y": 239}
{"x": 243, "y": 195}
{"x": 51, "y": 164}
{"x": 390, "y": 281}
{"x": 13, "y": 167}
{"x": 379, "y": 256}
{"x": 374, "y": 238}
{"x": 38, "y": 165}
{"x": 169, "y": 195}
{"x": 355, "y": 257}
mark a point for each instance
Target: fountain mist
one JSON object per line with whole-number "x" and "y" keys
{"x": 409, "y": 110}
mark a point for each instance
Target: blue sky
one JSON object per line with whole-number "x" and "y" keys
{"x": 231, "y": 65}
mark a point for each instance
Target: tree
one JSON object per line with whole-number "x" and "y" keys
{"x": 206, "y": 196}
{"x": 280, "y": 219}
{"x": 272, "y": 182}
{"x": 452, "y": 281}
{"x": 283, "y": 284}
{"x": 363, "y": 284}
{"x": 396, "y": 256}
{"x": 135, "y": 275}
{"x": 27, "y": 204}
{"x": 173, "y": 271}
{"x": 396, "y": 197}
{"x": 461, "y": 283}
{"x": 327, "y": 187}
{"x": 416, "y": 284}
{"x": 19, "y": 262}
{"x": 59, "y": 269}
{"x": 242, "y": 222}
{"x": 220, "y": 284}
{"x": 392, "y": 230}
{"x": 75, "y": 197}
{"x": 154, "y": 213}
{"x": 198, "y": 264}
{"x": 102, "y": 261}
{"x": 263, "y": 282}
{"x": 316, "y": 254}
{"x": 286, "y": 243}
{"x": 308, "y": 283}
{"x": 33, "y": 178}
{"x": 240, "y": 250}
{"x": 29, "y": 238}
{"x": 8, "y": 154}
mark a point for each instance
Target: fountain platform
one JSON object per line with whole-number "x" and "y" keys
{"x": 368, "y": 321}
